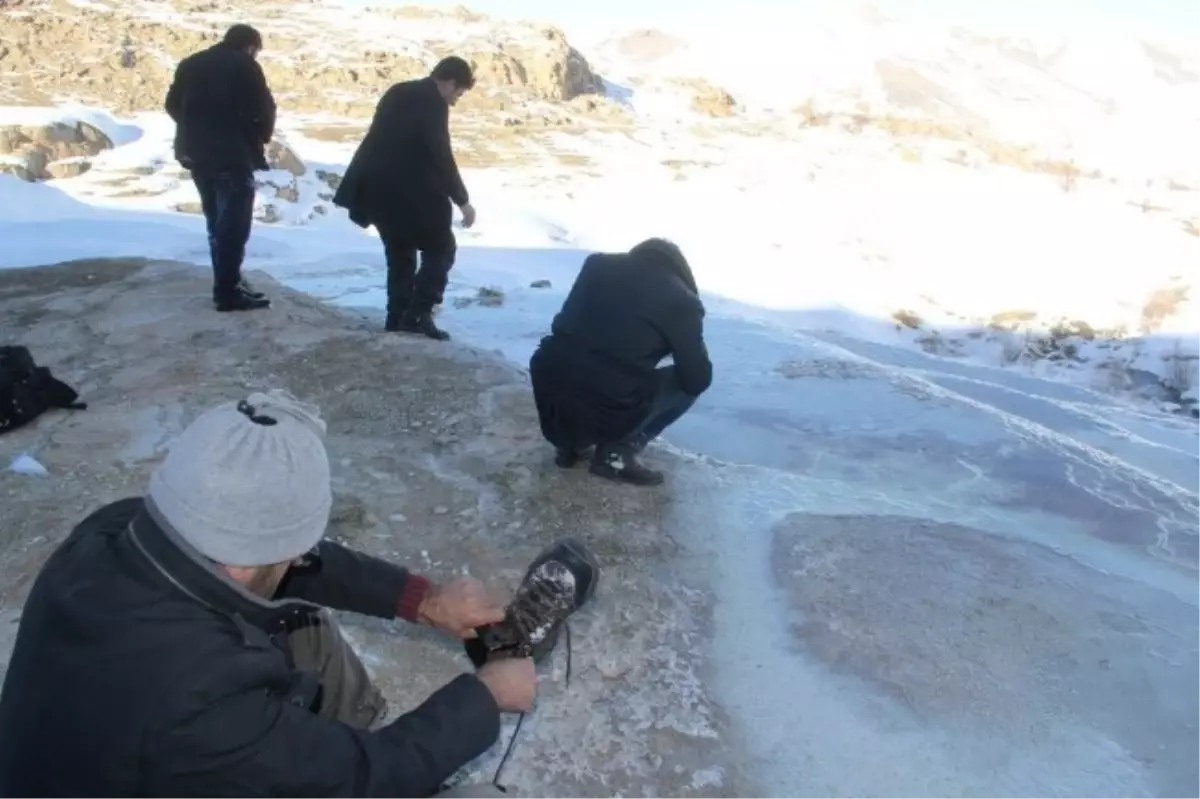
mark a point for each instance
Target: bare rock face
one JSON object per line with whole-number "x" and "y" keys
{"x": 107, "y": 55}
{"x": 34, "y": 151}
{"x": 710, "y": 99}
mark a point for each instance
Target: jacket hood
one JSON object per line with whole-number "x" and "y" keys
{"x": 667, "y": 254}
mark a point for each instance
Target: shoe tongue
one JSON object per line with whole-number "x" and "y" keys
{"x": 556, "y": 575}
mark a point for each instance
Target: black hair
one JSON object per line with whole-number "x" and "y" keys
{"x": 243, "y": 37}
{"x": 455, "y": 69}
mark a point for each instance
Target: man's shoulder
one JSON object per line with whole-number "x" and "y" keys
{"x": 605, "y": 260}
{"x": 408, "y": 91}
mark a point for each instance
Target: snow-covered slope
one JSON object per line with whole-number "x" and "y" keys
{"x": 1125, "y": 106}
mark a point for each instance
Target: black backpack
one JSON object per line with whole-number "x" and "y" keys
{"x": 28, "y": 390}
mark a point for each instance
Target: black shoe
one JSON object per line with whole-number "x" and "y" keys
{"x": 621, "y": 464}
{"x": 245, "y": 288}
{"x": 422, "y": 324}
{"x": 241, "y": 302}
{"x": 242, "y": 288}
{"x": 560, "y": 580}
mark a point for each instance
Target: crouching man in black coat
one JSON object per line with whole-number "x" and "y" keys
{"x": 402, "y": 179}
{"x": 596, "y": 379}
{"x": 179, "y": 644}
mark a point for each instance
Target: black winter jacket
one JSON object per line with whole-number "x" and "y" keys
{"x": 403, "y": 176}
{"x": 223, "y": 110}
{"x": 138, "y": 671}
{"x": 593, "y": 376}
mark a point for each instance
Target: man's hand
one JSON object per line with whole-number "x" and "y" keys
{"x": 459, "y": 607}
{"x": 513, "y": 683}
{"x": 468, "y": 215}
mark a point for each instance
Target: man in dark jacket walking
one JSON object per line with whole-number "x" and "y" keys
{"x": 179, "y": 645}
{"x": 596, "y": 379}
{"x": 403, "y": 179}
{"x": 224, "y": 115}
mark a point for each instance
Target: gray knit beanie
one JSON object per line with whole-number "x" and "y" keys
{"x": 247, "y": 483}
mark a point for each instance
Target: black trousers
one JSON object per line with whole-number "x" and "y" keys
{"x": 412, "y": 288}
{"x": 227, "y": 198}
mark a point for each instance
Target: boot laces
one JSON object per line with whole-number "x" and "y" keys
{"x": 545, "y": 597}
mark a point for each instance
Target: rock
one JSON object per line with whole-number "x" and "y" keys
{"x": 60, "y": 170}
{"x": 189, "y": 208}
{"x": 32, "y": 148}
{"x": 280, "y": 156}
{"x": 67, "y": 141}
{"x": 540, "y": 284}
{"x": 330, "y": 179}
{"x": 289, "y": 194}
{"x": 490, "y": 297}
{"x": 268, "y": 214}
{"x": 709, "y": 99}
{"x": 548, "y": 68}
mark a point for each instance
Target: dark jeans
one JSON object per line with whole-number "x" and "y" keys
{"x": 670, "y": 404}
{"x": 227, "y": 197}
{"x": 410, "y": 287}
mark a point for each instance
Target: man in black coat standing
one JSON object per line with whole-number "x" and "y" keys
{"x": 180, "y": 643}
{"x": 403, "y": 179}
{"x": 224, "y": 115}
{"x": 596, "y": 378}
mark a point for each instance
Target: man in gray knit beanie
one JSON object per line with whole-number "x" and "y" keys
{"x": 181, "y": 642}
{"x": 247, "y": 484}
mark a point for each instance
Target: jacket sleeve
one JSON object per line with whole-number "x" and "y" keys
{"x": 339, "y": 578}
{"x": 236, "y": 739}
{"x": 684, "y": 331}
{"x": 174, "y": 101}
{"x": 437, "y": 137}
{"x": 261, "y": 102}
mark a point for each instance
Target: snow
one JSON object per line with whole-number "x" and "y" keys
{"x": 26, "y": 464}
{"x": 822, "y": 403}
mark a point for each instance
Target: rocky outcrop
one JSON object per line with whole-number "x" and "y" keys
{"x": 43, "y": 152}
{"x": 708, "y": 98}
{"x": 107, "y": 55}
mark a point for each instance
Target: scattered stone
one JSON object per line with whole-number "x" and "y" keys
{"x": 490, "y": 297}
{"x": 289, "y": 194}
{"x": 540, "y": 284}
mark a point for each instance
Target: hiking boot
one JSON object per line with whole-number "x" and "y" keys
{"x": 560, "y": 580}
{"x": 620, "y": 464}
{"x": 241, "y": 302}
{"x": 422, "y": 324}
{"x": 245, "y": 287}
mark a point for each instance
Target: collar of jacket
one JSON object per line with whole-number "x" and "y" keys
{"x": 204, "y": 581}
{"x": 432, "y": 86}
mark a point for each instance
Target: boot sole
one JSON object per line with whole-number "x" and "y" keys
{"x": 614, "y": 476}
